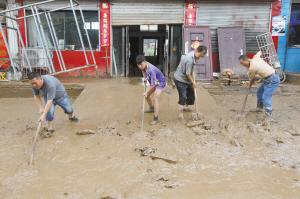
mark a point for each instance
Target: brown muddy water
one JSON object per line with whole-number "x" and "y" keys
{"x": 223, "y": 158}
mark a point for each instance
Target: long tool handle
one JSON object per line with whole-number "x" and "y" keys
{"x": 244, "y": 104}
{"x": 196, "y": 99}
{"x": 195, "y": 93}
{"x": 143, "y": 109}
{"x": 34, "y": 143}
{"x": 245, "y": 101}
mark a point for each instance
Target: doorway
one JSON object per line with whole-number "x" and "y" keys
{"x": 160, "y": 44}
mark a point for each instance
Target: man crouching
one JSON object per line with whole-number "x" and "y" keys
{"x": 157, "y": 83}
{"x": 270, "y": 81}
{"x": 48, "y": 92}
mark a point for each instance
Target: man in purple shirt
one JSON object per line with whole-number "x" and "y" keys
{"x": 157, "y": 83}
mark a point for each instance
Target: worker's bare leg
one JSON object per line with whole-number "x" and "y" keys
{"x": 188, "y": 108}
{"x": 150, "y": 102}
{"x": 50, "y": 118}
{"x": 180, "y": 112}
{"x": 156, "y": 98}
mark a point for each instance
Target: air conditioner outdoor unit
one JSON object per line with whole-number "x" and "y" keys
{"x": 37, "y": 58}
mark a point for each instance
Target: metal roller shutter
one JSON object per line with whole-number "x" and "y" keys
{"x": 253, "y": 16}
{"x": 84, "y": 4}
{"x": 130, "y": 12}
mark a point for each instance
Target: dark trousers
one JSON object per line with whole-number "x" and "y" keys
{"x": 186, "y": 93}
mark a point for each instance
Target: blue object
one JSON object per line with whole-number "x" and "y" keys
{"x": 64, "y": 103}
{"x": 266, "y": 90}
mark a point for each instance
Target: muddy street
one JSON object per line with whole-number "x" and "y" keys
{"x": 106, "y": 155}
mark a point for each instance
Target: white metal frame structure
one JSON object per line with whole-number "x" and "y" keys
{"x": 269, "y": 54}
{"x": 36, "y": 15}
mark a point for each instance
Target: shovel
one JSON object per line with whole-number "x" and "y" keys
{"x": 245, "y": 100}
{"x": 143, "y": 109}
{"x": 195, "y": 114}
{"x": 244, "y": 105}
{"x": 34, "y": 143}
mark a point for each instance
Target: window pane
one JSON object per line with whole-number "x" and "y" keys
{"x": 153, "y": 28}
{"x": 95, "y": 25}
{"x": 66, "y": 30}
{"x": 92, "y": 17}
{"x": 294, "y": 33}
{"x": 58, "y": 20}
{"x": 144, "y": 28}
{"x": 72, "y": 41}
{"x": 87, "y": 25}
{"x": 34, "y": 37}
{"x": 150, "y": 47}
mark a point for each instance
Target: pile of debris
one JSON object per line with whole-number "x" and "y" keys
{"x": 228, "y": 78}
{"x": 233, "y": 80}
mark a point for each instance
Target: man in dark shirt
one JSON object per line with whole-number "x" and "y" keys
{"x": 184, "y": 80}
{"x": 49, "y": 92}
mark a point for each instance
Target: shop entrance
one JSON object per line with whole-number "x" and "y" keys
{"x": 160, "y": 44}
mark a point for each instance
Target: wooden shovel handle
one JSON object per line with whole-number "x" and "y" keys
{"x": 34, "y": 143}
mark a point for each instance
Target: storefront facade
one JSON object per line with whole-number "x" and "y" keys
{"x": 121, "y": 29}
{"x": 289, "y": 42}
{"x": 168, "y": 19}
{"x": 69, "y": 42}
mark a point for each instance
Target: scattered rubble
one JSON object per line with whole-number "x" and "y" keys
{"x": 109, "y": 197}
{"x": 171, "y": 185}
{"x": 108, "y": 130}
{"x": 163, "y": 179}
{"x": 146, "y": 151}
{"x": 86, "y": 132}
{"x": 194, "y": 123}
{"x": 163, "y": 159}
{"x": 235, "y": 142}
{"x": 46, "y": 134}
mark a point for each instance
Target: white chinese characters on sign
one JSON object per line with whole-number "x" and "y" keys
{"x": 105, "y": 24}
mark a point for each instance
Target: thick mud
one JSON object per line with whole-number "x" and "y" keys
{"x": 107, "y": 156}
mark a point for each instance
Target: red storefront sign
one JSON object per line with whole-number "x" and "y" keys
{"x": 4, "y": 63}
{"x": 190, "y": 13}
{"x": 105, "y": 23}
{"x": 276, "y": 11}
